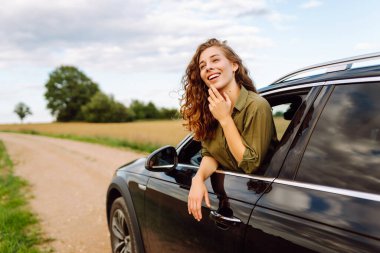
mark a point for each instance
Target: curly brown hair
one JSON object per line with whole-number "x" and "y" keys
{"x": 194, "y": 103}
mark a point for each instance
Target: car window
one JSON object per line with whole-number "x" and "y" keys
{"x": 282, "y": 116}
{"x": 344, "y": 149}
{"x": 190, "y": 153}
{"x": 287, "y": 108}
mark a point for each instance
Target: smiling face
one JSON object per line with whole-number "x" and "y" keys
{"x": 216, "y": 69}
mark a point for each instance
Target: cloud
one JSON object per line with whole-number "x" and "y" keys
{"x": 280, "y": 21}
{"x": 311, "y": 4}
{"x": 125, "y": 35}
{"x": 366, "y": 46}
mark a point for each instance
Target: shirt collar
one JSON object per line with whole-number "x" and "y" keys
{"x": 240, "y": 102}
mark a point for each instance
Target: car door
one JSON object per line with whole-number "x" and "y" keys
{"x": 232, "y": 195}
{"x": 172, "y": 229}
{"x": 326, "y": 198}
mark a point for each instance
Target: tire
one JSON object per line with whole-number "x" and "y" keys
{"x": 123, "y": 236}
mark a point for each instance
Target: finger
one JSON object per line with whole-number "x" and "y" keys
{"x": 195, "y": 211}
{"x": 188, "y": 206}
{"x": 207, "y": 200}
{"x": 216, "y": 92}
{"x": 193, "y": 208}
{"x": 211, "y": 101}
{"x": 226, "y": 97}
{"x": 198, "y": 215}
{"x": 211, "y": 108}
{"x": 199, "y": 211}
{"x": 213, "y": 95}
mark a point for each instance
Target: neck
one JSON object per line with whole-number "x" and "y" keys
{"x": 232, "y": 90}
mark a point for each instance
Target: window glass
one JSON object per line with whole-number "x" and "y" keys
{"x": 344, "y": 149}
{"x": 281, "y": 123}
{"x": 191, "y": 153}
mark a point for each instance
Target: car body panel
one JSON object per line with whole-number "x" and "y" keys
{"x": 166, "y": 210}
{"x": 301, "y": 219}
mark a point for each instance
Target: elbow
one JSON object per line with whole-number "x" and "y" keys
{"x": 249, "y": 162}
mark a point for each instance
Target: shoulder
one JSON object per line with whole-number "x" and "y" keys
{"x": 255, "y": 102}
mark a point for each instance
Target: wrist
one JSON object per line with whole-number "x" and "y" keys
{"x": 197, "y": 178}
{"x": 225, "y": 121}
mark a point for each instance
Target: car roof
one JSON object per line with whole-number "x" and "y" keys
{"x": 348, "y": 68}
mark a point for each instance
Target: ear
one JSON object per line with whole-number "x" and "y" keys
{"x": 235, "y": 67}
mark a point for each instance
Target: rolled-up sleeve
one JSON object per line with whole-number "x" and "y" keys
{"x": 256, "y": 136}
{"x": 204, "y": 151}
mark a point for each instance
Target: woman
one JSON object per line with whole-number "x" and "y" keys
{"x": 223, "y": 110}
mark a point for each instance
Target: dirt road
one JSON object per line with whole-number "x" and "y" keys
{"x": 69, "y": 182}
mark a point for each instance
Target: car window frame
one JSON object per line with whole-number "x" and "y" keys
{"x": 276, "y": 161}
{"x": 302, "y": 135}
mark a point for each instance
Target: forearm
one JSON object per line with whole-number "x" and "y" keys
{"x": 233, "y": 138}
{"x": 198, "y": 189}
{"x": 207, "y": 167}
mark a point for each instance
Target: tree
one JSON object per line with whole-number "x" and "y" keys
{"x": 279, "y": 114}
{"x": 151, "y": 111}
{"x": 138, "y": 108}
{"x": 167, "y": 113}
{"x": 22, "y": 110}
{"x": 103, "y": 108}
{"x": 67, "y": 90}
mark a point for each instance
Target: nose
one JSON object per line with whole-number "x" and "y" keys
{"x": 209, "y": 67}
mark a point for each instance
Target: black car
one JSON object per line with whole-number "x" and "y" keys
{"x": 318, "y": 192}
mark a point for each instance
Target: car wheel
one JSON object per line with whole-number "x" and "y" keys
{"x": 123, "y": 237}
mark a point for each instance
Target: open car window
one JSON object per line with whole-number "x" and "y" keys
{"x": 285, "y": 108}
{"x": 190, "y": 153}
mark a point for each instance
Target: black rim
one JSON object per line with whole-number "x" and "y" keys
{"x": 121, "y": 239}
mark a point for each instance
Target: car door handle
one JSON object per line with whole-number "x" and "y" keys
{"x": 224, "y": 222}
{"x": 142, "y": 187}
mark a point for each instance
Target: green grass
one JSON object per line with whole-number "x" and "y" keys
{"x": 19, "y": 228}
{"x": 112, "y": 142}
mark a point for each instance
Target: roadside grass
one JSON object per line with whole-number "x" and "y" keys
{"x": 19, "y": 228}
{"x": 112, "y": 142}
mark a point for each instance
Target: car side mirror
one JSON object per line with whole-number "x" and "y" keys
{"x": 163, "y": 159}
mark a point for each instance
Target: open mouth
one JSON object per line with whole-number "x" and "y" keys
{"x": 213, "y": 76}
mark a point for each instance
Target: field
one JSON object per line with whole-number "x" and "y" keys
{"x": 146, "y": 133}
{"x": 159, "y": 133}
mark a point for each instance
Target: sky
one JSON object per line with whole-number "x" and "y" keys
{"x": 140, "y": 49}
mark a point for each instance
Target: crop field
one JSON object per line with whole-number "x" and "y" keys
{"x": 158, "y": 133}
{"x": 163, "y": 132}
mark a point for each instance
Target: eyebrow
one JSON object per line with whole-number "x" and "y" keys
{"x": 210, "y": 57}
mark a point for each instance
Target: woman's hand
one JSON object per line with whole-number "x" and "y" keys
{"x": 220, "y": 106}
{"x": 198, "y": 190}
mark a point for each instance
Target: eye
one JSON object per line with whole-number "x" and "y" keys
{"x": 202, "y": 66}
{"x": 215, "y": 60}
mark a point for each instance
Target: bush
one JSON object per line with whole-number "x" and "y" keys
{"x": 103, "y": 108}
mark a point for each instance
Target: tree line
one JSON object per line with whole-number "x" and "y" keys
{"x": 72, "y": 96}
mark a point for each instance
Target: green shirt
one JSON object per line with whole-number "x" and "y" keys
{"x": 253, "y": 118}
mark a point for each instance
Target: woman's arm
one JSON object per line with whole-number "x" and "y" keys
{"x": 233, "y": 138}
{"x": 221, "y": 108}
{"x": 198, "y": 188}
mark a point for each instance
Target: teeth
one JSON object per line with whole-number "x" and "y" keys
{"x": 213, "y": 76}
